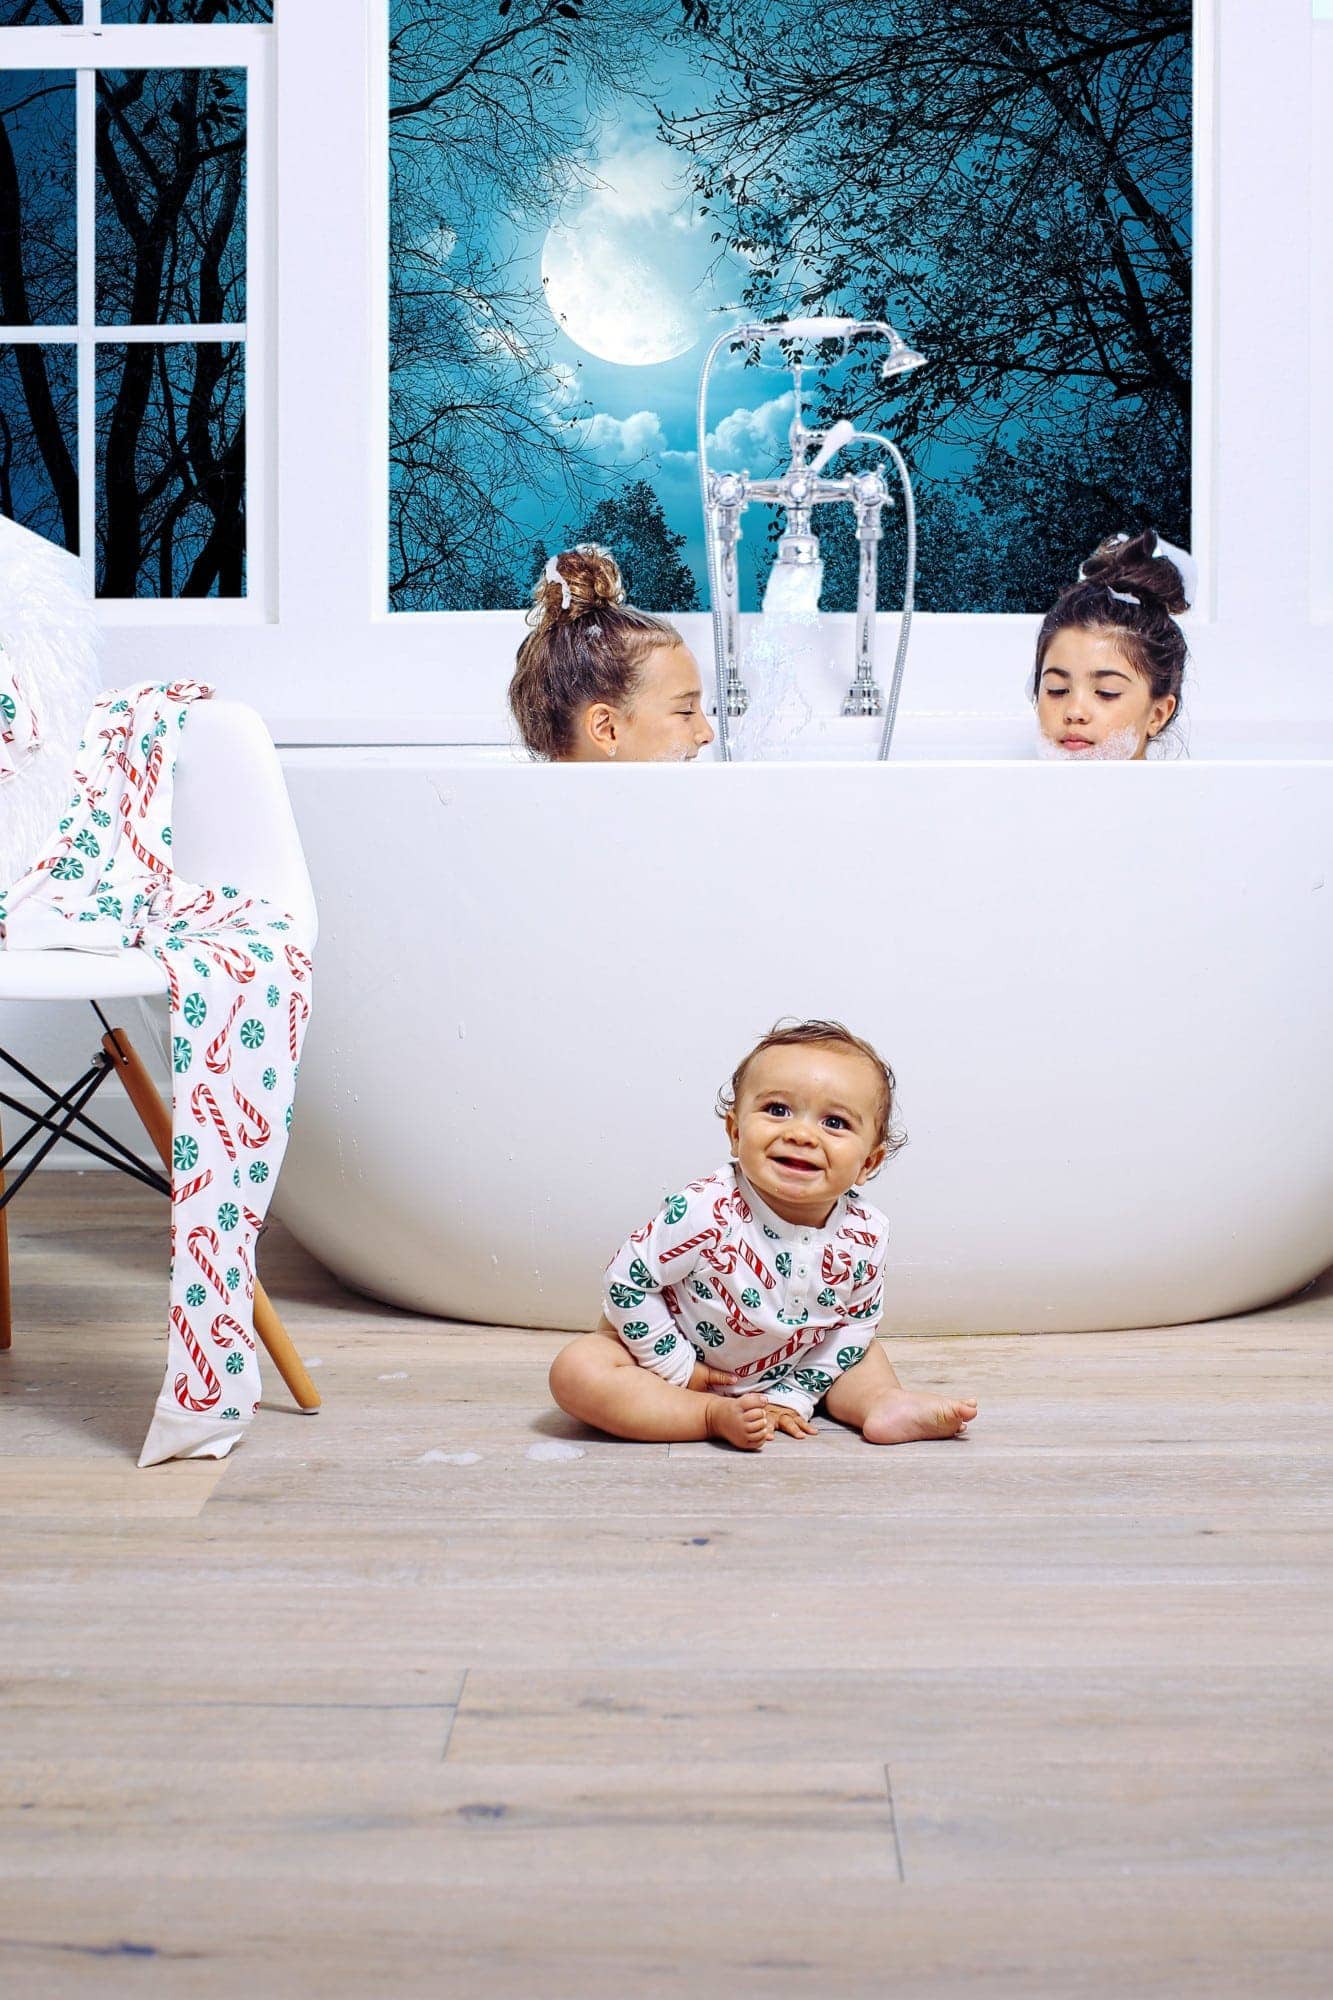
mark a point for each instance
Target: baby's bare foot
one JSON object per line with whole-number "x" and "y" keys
{"x": 909, "y": 1415}
{"x": 739, "y": 1419}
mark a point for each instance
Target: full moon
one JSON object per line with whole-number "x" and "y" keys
{"x": 614, "y": 285}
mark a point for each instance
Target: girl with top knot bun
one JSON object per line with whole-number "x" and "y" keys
{"x": 598, "y": 679}
{"x": 1110, "y": 655}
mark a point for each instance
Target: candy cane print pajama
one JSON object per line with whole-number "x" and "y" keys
{"x": 239, "y": 980}
{"x": 717, "y": 1276}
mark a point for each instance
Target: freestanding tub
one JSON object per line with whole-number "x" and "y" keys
{"x": 1105, "y": 991}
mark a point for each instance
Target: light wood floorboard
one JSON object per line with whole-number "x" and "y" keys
{"x": 385, "y": 1706}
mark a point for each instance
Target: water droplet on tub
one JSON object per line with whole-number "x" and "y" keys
{"x": 554, "y": 1448}
{"x": 462, "y": 1031}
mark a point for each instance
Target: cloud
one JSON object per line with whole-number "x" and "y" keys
{"x": 566, "y": 388}
{"x": 644, "y": 180}
{"x": 439, "y": 244}
{"x": 624, "y": 438}
{"x": 753, "y": 433}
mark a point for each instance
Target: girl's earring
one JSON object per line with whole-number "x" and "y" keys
{"x": 612, "y": 751}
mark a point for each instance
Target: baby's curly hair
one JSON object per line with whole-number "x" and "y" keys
{"x": 823, "y": 1034}
{"x": 586, "y": 645}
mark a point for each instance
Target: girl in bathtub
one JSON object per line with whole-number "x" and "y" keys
{"x": 755, "y": 1294}
{"x": 1110, "y": 655}
{"x": 596, "y": 678}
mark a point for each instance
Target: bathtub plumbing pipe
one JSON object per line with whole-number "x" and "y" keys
{"x": 731, "y": 696}
{"x": 909, "y": 589}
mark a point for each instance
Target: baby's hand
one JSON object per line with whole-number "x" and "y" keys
{"x": 781, "y": 1417}
{"x": 709, "y": 1378}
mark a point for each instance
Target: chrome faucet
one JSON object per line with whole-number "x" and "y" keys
{"x": 796, "y": 577}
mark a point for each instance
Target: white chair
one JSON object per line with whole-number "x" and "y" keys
{"x": 231, "y": 822}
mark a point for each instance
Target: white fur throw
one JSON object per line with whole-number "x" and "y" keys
{"x": 48, "y": 639}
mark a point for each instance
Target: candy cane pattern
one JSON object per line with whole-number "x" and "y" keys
{"x": 236, "y": 963}
{"x": 735, "y": 1318}
{"x": 212, "y": 1386}
{"x": 224, "y": 1339}
{"x": 118, "y": 829}
{"x": 201, "y": 1095}
{"x": 201, "y": 1233}
{"x": 259, "y": 1137}
{"x": 865, "y": 1237}
{"x": 151, "y": 776}
{"x": 150, "y": 860}
{"x": 835, "y": 1266}
{"x": 807, "y": 1337}
{"x": 183, "y": 1191}
{"x": 706, "y": 1236}
{"x": 298, "y": 1013}
{"x": 217, "y": 1056}
{"x": 751, "y": 1256}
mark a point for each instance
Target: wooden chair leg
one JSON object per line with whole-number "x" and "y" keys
{"x": 156, "y": 1121}
{"x": 6, "y": 1323}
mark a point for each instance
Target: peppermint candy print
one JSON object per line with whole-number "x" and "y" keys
{"x": 110, "y": 861}
{"x": 814, "y": 1381}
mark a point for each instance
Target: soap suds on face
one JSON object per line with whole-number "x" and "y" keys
{"x": 449, "y": 1458}
{"x": 1117, "y": 748}
{"x": 553, "y": 1448}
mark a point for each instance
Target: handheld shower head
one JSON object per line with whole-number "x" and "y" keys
{"x": 902, "y": 359}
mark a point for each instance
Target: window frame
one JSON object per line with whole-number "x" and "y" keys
{"x": 85, "y": 51}
{"x": 332, "y": 666}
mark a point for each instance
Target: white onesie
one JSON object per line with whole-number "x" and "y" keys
{"x": 784, "y": 1306}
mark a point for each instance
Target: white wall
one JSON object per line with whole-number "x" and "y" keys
{"x": 329, "y": 666}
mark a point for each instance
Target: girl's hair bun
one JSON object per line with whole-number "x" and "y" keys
{"x": 575, "y": 582}
{"x": 1127, "y": 564}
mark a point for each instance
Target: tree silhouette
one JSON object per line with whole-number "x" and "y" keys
{"x": 632, "y": 525}
{"x": 171, "y": 167}
{"x": 502, "y": 95}
{"x": 170, "y": 155}
{"x": 1012, "y": 184}
{"x": 39, "y": 479}
{"x": 177, "y": 12}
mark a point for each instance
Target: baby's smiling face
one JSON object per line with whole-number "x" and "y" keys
{"x": 806, "y": 1127}
{"x": 1093, "y": 702}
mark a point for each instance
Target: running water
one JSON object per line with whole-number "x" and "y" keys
{"x": 787, "y": 637}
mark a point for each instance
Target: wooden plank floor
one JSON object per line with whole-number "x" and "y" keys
{"x": 399, "y": 1701}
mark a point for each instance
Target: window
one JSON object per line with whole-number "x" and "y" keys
{"x": 576, "y": 213}
{"x": 132, "y": 296}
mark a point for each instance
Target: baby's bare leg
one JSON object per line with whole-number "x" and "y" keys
{"x": 597, "y": 1380}
{"x": 870, "y": 1397}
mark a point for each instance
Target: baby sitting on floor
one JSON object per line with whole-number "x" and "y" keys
{"x": 755, "y": 1294}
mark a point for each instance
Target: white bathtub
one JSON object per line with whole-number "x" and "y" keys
{"x": 1105, "y": 991}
